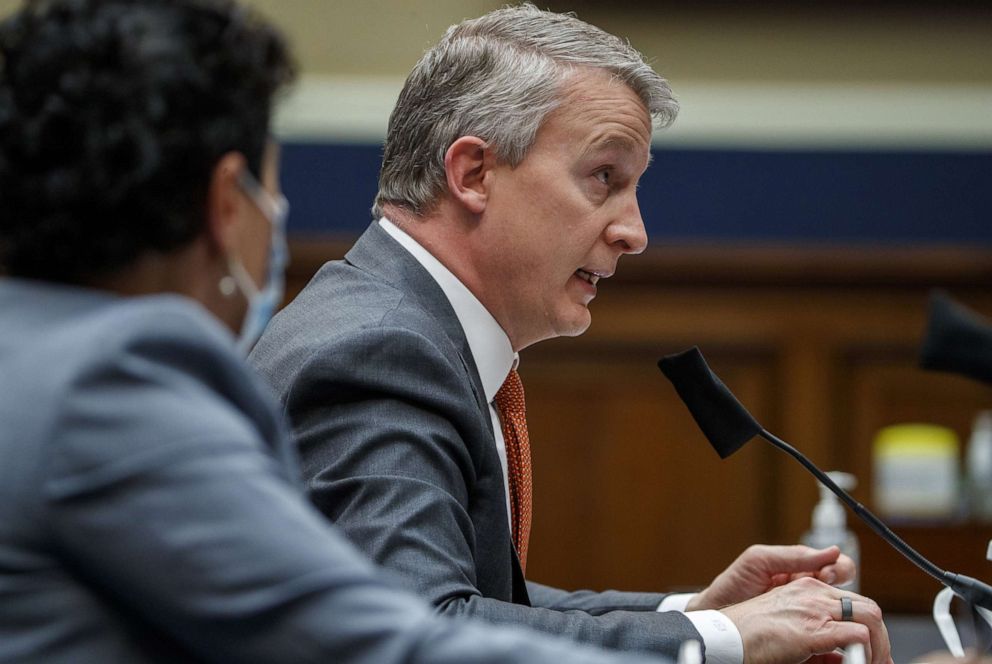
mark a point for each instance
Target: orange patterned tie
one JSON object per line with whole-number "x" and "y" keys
{"x": 513, "y": 422}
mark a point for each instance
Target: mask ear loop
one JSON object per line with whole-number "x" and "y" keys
{"x": 945, "y": 623}
{"x": 237, "y": 278}
{"x": 262, "y": 300}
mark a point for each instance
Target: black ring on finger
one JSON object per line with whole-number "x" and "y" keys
{"x": 846, "y": 609}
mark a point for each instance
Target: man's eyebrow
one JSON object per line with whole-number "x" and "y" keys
{"x": 610, "y": 141}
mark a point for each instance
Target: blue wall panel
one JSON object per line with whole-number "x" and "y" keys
{"x": 330, "y": 187}
{"x": 910, "y": 197}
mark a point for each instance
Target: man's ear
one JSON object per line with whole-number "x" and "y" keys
{"x": 224, "y": 199}
{"x": 466, "y": 164}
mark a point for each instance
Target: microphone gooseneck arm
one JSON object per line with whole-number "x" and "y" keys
{"x": 970, "y": 589}
{"x": 873, "y": 521}
{"x": 728, "y": 426}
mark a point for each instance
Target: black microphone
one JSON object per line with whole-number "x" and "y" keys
{"x": 728, "y": 426}
{"x": 958, "y": 340}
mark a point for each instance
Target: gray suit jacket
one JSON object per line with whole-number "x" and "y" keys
{"x": 397, "y": 449}
{"x": 150, "y": 511}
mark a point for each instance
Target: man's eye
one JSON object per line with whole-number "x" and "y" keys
{"x": 603, "y": 176}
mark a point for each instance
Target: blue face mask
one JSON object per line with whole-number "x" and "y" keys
{"x": 262, "y": 302}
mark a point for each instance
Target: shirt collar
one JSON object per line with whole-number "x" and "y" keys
{"x": 488, "y": 343}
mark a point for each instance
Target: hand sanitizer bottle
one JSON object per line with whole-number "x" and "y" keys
{"x": 830, "y": 524}
{"x": 978, "y": 465}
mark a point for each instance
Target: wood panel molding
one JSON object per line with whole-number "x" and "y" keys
{"x": 777, "y": 265}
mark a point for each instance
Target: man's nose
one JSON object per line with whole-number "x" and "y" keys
{"x": 627, "y": 233}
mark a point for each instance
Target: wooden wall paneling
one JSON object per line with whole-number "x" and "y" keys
{"x": 806, "y": 424}
{"x": 819, "y": 324}
{"x": 628, "y": 494}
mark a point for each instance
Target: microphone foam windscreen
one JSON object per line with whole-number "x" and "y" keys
{"x": 722, "y": 418}
{"x": 957, "y": 340}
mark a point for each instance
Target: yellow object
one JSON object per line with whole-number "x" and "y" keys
{"x": 916, "y": 440}
{"x": 916, "y": 471}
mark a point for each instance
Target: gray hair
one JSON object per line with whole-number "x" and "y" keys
{"x": 498, "y": 77}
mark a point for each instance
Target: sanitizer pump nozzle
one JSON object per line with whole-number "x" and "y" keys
{"x": 830, "y": 524}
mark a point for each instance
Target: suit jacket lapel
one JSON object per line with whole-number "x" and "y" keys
{"x": 378, "y": 253}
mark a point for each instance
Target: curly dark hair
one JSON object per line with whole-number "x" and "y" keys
{"x": 113, "y": 114}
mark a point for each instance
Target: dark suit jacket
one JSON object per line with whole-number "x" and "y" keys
{"x": 397, "y": 448}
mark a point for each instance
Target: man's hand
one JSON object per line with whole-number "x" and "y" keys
{"x": 761, "y": 568}
{"x": 791, "y": 623}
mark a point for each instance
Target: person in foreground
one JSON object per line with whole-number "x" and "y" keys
{"x": 506, "y": 195}
{"x": 150, "y": 509}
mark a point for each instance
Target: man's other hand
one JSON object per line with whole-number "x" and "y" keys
{"x": 761, "y": 568}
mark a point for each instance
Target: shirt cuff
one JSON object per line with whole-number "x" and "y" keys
{"x": 676, "y": 602}
{"x": 720, "y": 635}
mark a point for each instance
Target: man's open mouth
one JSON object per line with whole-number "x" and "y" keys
{"x": 587, "y": 276}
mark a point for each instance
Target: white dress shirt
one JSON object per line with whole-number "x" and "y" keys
{"x": 494, "y": 357}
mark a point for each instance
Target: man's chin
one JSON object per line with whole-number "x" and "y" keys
{"x": 574, "y": 325}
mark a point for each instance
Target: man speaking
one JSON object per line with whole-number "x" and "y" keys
{"x": 507, "y": 193}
